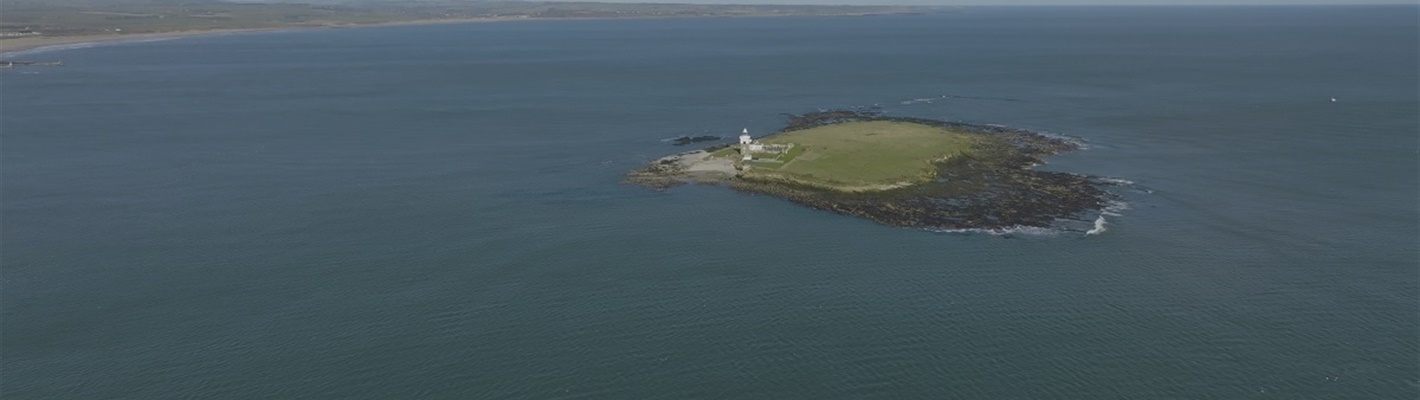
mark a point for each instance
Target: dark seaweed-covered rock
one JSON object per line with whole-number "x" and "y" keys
{"x": 684, "y": 140}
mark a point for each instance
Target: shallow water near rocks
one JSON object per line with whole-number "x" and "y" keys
{"x": 435, "y": 211}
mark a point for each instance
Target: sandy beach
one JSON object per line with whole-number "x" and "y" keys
{"x": 14, "y": 45}
{"x": 29, "y": 43}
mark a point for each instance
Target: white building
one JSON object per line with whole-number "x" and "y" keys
{"x": 747, "y": 145}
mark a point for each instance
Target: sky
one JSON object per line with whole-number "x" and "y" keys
{"x": 1036, "y": 2}
{"x": 942, "y": 2}
{"x": 1043, "y": 2}
{"x": 959, "y": 2}
{"x": 1147, "y": 2}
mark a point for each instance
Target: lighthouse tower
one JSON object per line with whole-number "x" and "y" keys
{"x": 745, "y": 141}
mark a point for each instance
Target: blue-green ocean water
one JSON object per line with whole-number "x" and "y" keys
{"x": 435, "y": 212}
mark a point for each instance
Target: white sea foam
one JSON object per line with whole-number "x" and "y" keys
{"x": 1070, "y": 139}
{"x": 1115, "y": 208}
{"x": 1014, "y": 230}
{"x": 1117, "y": 181}
{"x": 1099, "y": 226}
{"x": 949, "y": 96}
{"x": 920, "y": 100}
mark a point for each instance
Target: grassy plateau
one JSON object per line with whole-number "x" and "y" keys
{"x": 863, "y": 155}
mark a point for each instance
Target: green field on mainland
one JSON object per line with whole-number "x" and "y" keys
{"x": 864, "y": 155}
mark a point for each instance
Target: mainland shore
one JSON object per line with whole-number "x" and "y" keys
{"x": 30, "y": 43}
{"x": 14, "y": 45}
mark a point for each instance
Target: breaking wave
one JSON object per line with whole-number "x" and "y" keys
{"x": 1008, "y": 231}
{"x": 1117, "y": 181}
{"x": 1099, "y": 228}
{"x": 920, "y": 100}
{"x": 948, "y": 96}
{"x": 1115, "y": 208}
{"x": 1126, "y": 183}
{"x": 1077, "y": 141}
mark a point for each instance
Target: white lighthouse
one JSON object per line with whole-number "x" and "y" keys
{"x": 745, "y": 143}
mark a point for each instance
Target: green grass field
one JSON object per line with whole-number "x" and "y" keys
{"x": 732, "y": 151}
{"x": 866, "y": 155}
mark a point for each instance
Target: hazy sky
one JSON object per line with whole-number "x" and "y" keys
{"x": 1037, "y": 2}
{"x": 953, "y": 2}
{"x": 1150, "y": 2}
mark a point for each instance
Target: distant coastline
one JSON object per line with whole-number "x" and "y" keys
{"x": 16, "y": 45}
{"x": 27, "y": 27}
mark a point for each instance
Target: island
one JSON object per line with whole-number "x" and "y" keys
{"x": 900, "y": 171}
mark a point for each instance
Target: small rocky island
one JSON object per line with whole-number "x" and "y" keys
{"x": 908, "y": 172}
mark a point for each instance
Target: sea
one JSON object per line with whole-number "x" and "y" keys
{"x": 437, "y": 211}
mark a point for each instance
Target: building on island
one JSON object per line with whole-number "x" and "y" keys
{"x": 746, "y": 145}
{"x": 749, "y": 146}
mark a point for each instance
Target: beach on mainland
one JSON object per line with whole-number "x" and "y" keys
{"x": 29, "y": 25}
{"x": 24, "y": 44}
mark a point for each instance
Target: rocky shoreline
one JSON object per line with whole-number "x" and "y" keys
{"x": 995, "y": 189}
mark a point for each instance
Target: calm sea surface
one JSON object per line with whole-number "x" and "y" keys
{"x": 435, "y": 211}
